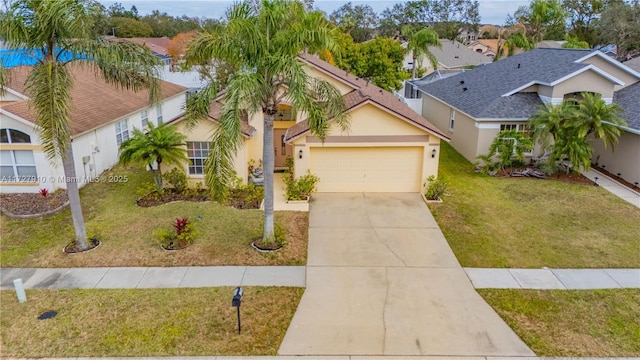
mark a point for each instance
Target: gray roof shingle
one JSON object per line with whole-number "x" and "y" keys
{"x": 486, "y": 85}
{"x": 629, "y": 100}
{"x": 454, "y": 54}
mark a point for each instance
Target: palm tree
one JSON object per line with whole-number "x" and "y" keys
{"x": 51, "y": 28}
{"x": 162, "y": 144}
{"x": 597, "y": 118}
{"x": 544, "y": 124}
{"x": 570, "y": 126}
{"x": 263, "y": 43}
{"x": 418, "y": 43}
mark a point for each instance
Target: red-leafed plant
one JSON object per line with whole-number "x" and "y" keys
{"x": 181, "y": 225}
{"x": 44, "y": 192}
{"x": 182, "y": 236}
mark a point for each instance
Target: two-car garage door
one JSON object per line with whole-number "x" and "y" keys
{"x": 364, "y": 169}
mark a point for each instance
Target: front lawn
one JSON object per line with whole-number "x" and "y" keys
{"x": 225, "y": 234}
{"x": 149, "y": 322}
{"x": 569, "y": 323}
{"x": 530, "y": 223}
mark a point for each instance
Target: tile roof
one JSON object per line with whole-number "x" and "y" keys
{"x": 486, "y": 85}
{"x": 363, "y": 92}
{"x": 629, "y": 100}
{"x": 157, "y": 45}
{"x": 215, "y": 111}
{"x": 94, "y": 102}
{"x": 456, "y": 55}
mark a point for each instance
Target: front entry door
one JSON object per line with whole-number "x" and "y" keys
{"x": 281, "y": 149}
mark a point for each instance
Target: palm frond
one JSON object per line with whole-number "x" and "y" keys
{"x": 227, "y": 138}
{"x": 199, "y": 104}
{"x": 122, "y": 63}
{"x": 49, "y": 86}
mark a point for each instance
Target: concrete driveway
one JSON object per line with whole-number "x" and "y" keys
{"x": 382, "y": 280}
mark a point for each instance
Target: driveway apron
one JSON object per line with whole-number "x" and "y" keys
{"x": 382, "y": 280}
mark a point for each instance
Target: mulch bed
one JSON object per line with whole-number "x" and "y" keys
{"x": 72, "y": 249}
{"x": 170, "y": 195}
{"x": 237, "y": 198}
{"x": 32, "y": 204}
{"x": 571, "y": 177}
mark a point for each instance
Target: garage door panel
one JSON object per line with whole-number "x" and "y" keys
{"x": 379, "y": 169}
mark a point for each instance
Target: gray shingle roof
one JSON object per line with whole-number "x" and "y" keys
{"x": 629, "y": 99}
{"x": 456, "y": 55}
{"x": 486, "y": 84}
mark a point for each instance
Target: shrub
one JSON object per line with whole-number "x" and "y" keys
{"x": 181, "y": 236}
{"x": 301, "y": 188}
{"x": 245, "y": 196}
{"x": 146, "y": 189}
{"x": 177, "y": 178}
{"x": 436, "y": 188}
{"x": 44, "y": 192}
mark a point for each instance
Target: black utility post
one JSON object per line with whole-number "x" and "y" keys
{"x": 237, "y": 300}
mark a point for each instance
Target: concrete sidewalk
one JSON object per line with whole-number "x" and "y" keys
{"x": 563, "y": 279}
{"x": 343, "y": 357}
{"x": 614, "y": 187}
{"x": 154, "y": 277}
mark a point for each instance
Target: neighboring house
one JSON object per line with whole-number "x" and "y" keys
{"x": 102, "y": 116}
{"x": 452, "y": 55}
{"x": 485, "y": 47}
{"x": 468, "y": 36}
{"x": 474, "y": 106}
{"x": 389, "y": 147}
{"x": 159, "y": 46}
{"x": 411, "y": 86}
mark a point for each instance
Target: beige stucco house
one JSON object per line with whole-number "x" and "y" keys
{"x": 102, "y": 117}
{"x": 389, "y": 147}
{"x": 472, "y": 107}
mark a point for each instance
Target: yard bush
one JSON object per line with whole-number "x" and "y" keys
{"x": 436, "y": 187}
{"x": 301, "y": 188}
{"x": 176, "y": 178}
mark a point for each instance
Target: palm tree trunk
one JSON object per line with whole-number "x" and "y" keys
{"x": 268, "y": 159}
{"x": 69, "y": 166}
{"x": 157, "y": 175}
{"x": 413, "y": 69}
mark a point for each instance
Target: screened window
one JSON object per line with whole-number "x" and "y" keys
{"x": 122, "y": 131}
{"x": 11, "y": 136}
{"x": 144, "y": 114}
{"x": 197, "y": 152}
{"x": 159, "y": 114}
{"x": 18, "y": 166}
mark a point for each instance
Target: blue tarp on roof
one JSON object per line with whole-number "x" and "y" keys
{"x": 13, "y": 58}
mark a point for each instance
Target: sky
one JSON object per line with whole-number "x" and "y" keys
{"x": 491, "y": 11}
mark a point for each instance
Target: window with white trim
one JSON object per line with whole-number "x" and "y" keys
{"x": 520, "y": 128}
{"x": 159, "y": 113}
{"x": 11, "y": 136}
{"x": 452, "y": 119}
{"x": 16, "y": 165}
{"x": 523, "y": 128}
{"x": 144, "y": 115}
{"x": 197, "y": 152}
{"x": 122, "y": 131}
